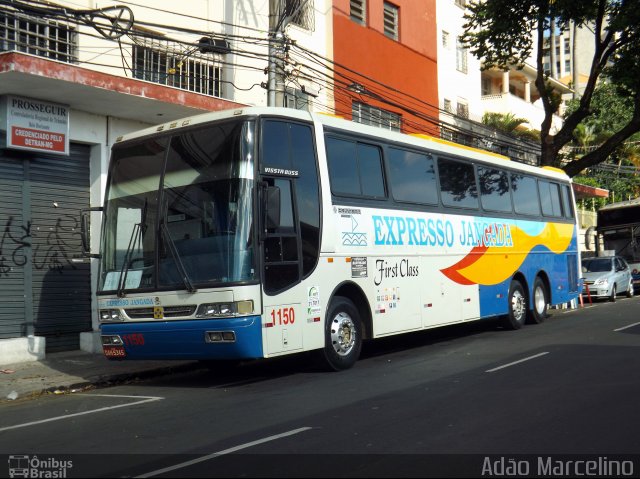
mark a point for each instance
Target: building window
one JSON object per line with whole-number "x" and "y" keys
{"x": 445, "y": 40}
{"x": 463, "y": 109}
{"x": 37, "y": 36}
{"x": 369, "y": 115}
{"x": 486, "y": 86}
{"x": 447, "y": 106}
{"x": 301, "y": 13}
{"x": 461, "y": 56}
{"x": 359, "y": 11}
{"x": 169, "y": 66}
{"x": 461, "y": 3}
{"x": 391, "y": 20}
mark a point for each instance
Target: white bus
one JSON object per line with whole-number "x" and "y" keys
{"x": 261, "y": 232}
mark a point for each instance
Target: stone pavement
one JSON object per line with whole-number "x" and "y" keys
{"x": 63, "y": 372}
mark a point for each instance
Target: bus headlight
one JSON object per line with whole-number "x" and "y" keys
{"x": 214, "y": 310}
{"x": 110, "y": 315}
{"x": 111, "y": 340}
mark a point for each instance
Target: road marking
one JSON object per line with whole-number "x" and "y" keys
{"x": 626, "y": 327}
{"x": 145, "y": 399}
{"x": 224, "y": 452}
{"x": 516, "y": 362}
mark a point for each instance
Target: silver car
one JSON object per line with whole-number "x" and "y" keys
{"x": 607, "y": 276}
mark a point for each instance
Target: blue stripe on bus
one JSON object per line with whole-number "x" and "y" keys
{"x": 494, "y": 298}
{"x": 186, "y": 339}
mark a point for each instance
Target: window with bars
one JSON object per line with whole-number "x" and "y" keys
{"x": 369, "y": 115}
{"x": 176, "y": 69}
{"x": 391, "y": 20}
{"x": 463, "y": 109}
{"x": 301, "y": 13}
{"x": 37, "y": 36}
{"x": 359, "y": 11}
{"x": 445, "y": 40}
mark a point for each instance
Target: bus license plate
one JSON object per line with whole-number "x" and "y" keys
{"x": 114, "y": 351}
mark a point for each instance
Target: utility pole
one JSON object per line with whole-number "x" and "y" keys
{"x": 279, "y": 19}
{"x": 277, "y": 24}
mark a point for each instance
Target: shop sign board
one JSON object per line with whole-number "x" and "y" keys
{"x": 36, "y": 125}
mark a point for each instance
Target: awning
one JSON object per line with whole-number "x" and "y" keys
{"x": 584, "y": 191}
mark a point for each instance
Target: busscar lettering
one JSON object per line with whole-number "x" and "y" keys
{"x": 280, "y": 171}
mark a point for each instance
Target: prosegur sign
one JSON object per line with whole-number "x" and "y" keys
{"x": 37, "y": 125}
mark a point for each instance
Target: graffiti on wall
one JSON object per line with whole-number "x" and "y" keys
{"x": 52, "y": 249}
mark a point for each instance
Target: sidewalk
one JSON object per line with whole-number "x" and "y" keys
{"x": 74, "y": 370}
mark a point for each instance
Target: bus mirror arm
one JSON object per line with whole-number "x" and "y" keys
{"x": 85, "y": 230}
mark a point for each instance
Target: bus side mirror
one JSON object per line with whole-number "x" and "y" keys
{"x": 272, "y": 207}
{"x": 85, "y": 230}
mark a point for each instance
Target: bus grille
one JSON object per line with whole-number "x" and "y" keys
{"x": 169, "y": 312}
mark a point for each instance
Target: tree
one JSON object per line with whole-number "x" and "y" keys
{"x": 612, "y": 109}
{"x": 502, "y": 34}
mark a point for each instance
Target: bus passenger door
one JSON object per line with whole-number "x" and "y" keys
{"x": 281, "y": 270}
{"x": 290, "y": 234}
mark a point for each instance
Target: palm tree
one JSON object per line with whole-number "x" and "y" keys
{"x": 506, "y": 122}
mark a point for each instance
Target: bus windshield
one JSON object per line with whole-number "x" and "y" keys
{"x": 179, "y": 211}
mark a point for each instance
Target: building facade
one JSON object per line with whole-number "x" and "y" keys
{"x": 73, "y": 78}
{"x": 385, "y": 60}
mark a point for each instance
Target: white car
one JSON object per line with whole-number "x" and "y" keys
{"x": 606, "y": 276}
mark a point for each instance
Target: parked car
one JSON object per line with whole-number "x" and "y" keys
{"x": 607, "y": 276}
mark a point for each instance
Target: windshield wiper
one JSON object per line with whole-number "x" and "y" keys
{"x": 176, "y": 257}
{"x": 136, "y": 238}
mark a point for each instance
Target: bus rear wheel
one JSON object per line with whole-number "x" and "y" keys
{"x": 517, "y": 306}
{"x": 540, "y": 303}
{"x": 343, "y": 334}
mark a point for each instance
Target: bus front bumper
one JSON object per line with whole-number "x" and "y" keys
{"x": 234, "y": 338}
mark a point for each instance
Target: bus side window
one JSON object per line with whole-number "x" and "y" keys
{"x": 525, "y": 195}
{"x": 412, "y": 176}
{"x": 457, "y": 184}
{"x": 495, "y": 194}
{"x": 566, "y": 201}
{"x": 355, "y": 168}
{"x": 550, "y": 198}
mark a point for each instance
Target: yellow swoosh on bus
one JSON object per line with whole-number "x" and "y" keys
{"x": 487, "y": 265}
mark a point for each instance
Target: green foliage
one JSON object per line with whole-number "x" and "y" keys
{"x": 612, "y": 109}
{"x": 508, "y": 123}
{"x": 504, "y": 34}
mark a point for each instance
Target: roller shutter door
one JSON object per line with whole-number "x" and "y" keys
{"x": 48, "y": 282}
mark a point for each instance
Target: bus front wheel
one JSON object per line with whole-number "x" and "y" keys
{"x": 517, "y": 306}
{"x": 343, "y": 334}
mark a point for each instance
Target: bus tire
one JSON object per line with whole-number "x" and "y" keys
{"x": 343, "y": 335}
{"x": 540, "y": 302}
{"x": 517, "y": 306}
